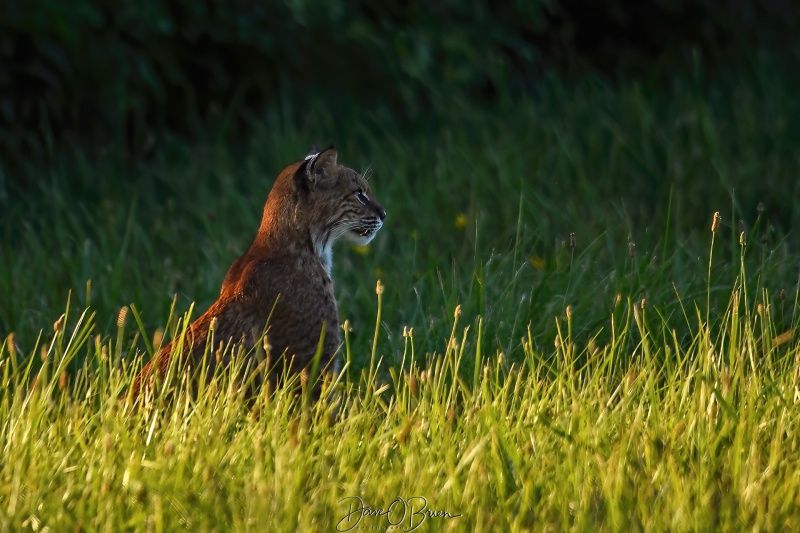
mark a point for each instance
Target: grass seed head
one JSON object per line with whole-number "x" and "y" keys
{"x": 630, "y": 379}
{"x": 411, "y": 380}
{"x": 123, "y": 314}
{"x": 592, "y": 347}
{"x": 267, "y": 347}
{"x": 573, "y": 242}
{"x": 716, "y": 222}
{"x": 783, "y": 338}
{"x": 713, "y": 409}
{"x": 632, "y": 249}
{"x": 158, "y": 337}
{"x": 62, "y": 381}
{"x": 528, "y": 448}
{"x": 401, "y": 435}
{"x": 726, "y": 380}
{"x": 379, "y": 288}
{"x": 11, "y": 346}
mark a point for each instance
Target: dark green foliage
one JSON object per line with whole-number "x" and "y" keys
{"x": 98, "y": 69}
{"x": 481, "y": 203}
{"x": 649, "y": 37}
{"x": 123, "y": 72}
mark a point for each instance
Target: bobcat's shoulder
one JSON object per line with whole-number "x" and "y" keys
{"x": 283, "y": 282}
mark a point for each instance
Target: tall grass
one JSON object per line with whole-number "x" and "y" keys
{"x": 642, "y": 431}
{"x": 558, "y": 339}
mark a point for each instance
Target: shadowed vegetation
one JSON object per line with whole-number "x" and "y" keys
{"x": 585, "y": 351}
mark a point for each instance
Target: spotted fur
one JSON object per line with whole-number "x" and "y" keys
{"x": 282, "y": 284}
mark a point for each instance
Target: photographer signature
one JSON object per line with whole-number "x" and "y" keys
{"x": 406, "y": 514}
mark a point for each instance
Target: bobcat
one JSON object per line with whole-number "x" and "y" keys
{"x": 285, "y": 276}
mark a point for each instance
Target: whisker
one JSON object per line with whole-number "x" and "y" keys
{"x": 365, "y": 173}
{"x": 342, "y": 230}
{"x": 339, "y": 223}
{"x": 339, "y": 227}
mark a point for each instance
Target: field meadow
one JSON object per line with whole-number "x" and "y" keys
{"x": 581, "y": 313}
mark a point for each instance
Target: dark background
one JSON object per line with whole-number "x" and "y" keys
{"x": 122, "y": 73}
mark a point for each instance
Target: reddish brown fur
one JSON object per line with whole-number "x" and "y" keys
{"x": 285, "y": 271}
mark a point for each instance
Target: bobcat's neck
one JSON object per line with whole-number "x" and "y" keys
{"x": 285, "y": 229}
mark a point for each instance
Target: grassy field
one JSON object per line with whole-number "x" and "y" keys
{"x": 561, "y": 340}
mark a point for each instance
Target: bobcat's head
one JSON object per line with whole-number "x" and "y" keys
{"x": 336, "y": 201}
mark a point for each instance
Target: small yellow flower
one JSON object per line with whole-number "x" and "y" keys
{"x": 362, "y": 250}
{"x": 461, "y": 221}
{"x": 537, "y": 262}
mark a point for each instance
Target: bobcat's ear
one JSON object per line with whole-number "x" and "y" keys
{"x": 320, "y": 166}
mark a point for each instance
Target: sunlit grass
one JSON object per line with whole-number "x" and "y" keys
{"x": 559, "y": 341}
{"x": 644, "y": 430}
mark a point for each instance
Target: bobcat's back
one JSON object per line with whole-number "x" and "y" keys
{"x": 282, "y": 285}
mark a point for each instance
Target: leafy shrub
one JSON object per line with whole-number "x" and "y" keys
{"x": 112, "y": 72}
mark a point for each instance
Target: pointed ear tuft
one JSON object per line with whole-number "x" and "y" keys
{"x": 314, "y": 152}
{"x": 320, "y": 166}
{"x": 323, "y": 161}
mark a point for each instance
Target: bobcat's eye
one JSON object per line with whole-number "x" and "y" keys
{"x": 361, "y": 197}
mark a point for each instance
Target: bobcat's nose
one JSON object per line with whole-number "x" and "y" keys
{"x": 381, "y": 212}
